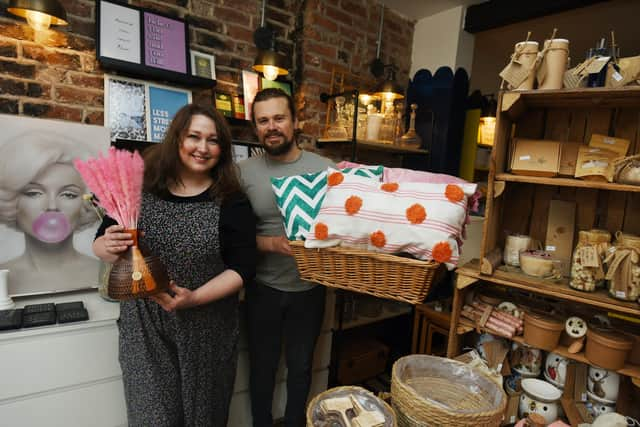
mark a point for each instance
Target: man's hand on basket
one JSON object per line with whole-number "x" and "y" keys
{"x": 277, "y": 244}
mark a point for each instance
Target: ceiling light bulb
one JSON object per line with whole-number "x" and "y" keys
{"x": 270, "y": 72}
{"x": 37, "y": 20}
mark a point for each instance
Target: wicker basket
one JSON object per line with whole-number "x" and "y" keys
{"x": 434, "y": 391}
{"x": 371, "y": 402}
{"x": 373, "y": 273}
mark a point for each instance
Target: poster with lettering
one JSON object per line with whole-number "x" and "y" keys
{"x": 119, "y": 32}
{"x": 165, "y": 44}
{"x": 164, "y": 102}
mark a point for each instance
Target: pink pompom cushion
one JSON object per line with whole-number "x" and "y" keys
{"x": 424, "y": 220}
{"x": 410, "y": 175}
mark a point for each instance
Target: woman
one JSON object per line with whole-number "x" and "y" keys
{"x": 41, "y": 196}
{"x": 178, "y": 349}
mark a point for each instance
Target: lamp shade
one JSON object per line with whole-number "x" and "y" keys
{"x": 271, "y": 64}
{"x": 389, "y": 90}
{"x": 39, "y": 13}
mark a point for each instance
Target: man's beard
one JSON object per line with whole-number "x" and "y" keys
{"x": 277, "y": 150}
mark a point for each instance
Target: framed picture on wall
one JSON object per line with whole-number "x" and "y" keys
{"x": 147, "y": 44}
{"x": 136, "y": 110}
{"x": 164, "y": 103}
{"x": 119, "y": 32}
{"x": 165, "y": 42}
{"x": 203, "y": 65}
{"x": 125, "y": 108}
{"x": 284, "y": 86}
{"x": 46, "y": 226}
{"x": 250, "y": 85}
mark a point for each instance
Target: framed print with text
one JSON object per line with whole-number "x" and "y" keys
{"x": 144, "y": 43}
{"x": 203, "y": 65}
{"x": 119, "y": 32}
{"x": 164, "y": 103}
{"x": 136, "y": 110}
{"x": 165, "y": 43}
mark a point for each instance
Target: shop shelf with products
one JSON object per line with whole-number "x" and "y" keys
{"x": 520, "y": 203}
{"x": 346, "y": 94}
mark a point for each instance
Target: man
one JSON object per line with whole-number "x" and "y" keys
{"x": 280, "y": 306}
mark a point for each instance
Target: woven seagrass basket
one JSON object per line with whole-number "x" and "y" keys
{"x": 434, "y": 391}
{"x": 368, "y": 400}
{"x": 381, "y": 275}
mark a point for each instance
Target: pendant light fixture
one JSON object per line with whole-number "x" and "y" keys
{"x": 268, "y": 62}
{"x": 40, "y": 14}
{"x": 388, "y": 90}
{"x": 487, "y": 125}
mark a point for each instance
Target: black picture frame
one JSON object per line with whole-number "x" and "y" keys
{"x": 134, "y": 63}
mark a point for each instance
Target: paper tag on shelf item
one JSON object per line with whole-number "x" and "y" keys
{"x": 598, "y": 64}
{"x": 583, "y": 397}
{"x": 621, "y": 294}
{"x": 525, "y": 157}
{"x": 617, "y": 76}
{"x": 589, "y": 256}
{"x": 550, "y": 248}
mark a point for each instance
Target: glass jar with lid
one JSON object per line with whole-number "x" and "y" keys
{"x": 587, "y": 269}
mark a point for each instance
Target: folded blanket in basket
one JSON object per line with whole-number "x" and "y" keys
{"x": 299, "y": 197}
{"x": 424, "y": 220}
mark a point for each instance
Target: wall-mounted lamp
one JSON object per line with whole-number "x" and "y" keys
{"x": 487, "y": 125}
{"x": 389, "y": 89}
{"x": 268, "y": 62}
{"x": 40, "y": 14}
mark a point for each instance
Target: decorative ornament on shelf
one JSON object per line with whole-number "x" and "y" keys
{"x": 116, "y": 180}
{"x": 411, "y": 137}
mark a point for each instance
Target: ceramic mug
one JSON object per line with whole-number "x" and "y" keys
{"x": 526, "y": 360}
{"x": 603, "y": 385}
{"x": 596, "y": 408}
{"x": 540, "y": 397}
{"x": 555, "y": 369}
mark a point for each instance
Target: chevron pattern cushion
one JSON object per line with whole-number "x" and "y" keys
{"x": 299, "y": 197}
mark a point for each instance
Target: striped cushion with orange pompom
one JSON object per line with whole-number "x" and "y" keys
{"x": 424, "y": 220}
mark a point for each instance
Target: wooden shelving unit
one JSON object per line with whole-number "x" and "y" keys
{"x": 567, "y": 182}
{"x": 376, "y": 145}
{"x": 629, "y": 370}
{"x": 559, "y": 289}
{"x": 519, "y": 204}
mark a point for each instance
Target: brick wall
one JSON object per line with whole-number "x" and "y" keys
{"x": 56, "y": 75}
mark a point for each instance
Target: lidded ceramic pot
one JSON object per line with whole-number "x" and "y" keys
{"x": 526, "y": 360}
{"x": 542, "y": 331}
{"x": 555, "y": 369}
{"x": 603, "y": 385}
{"x": 539, "y": 397}
{"x": 607, "y": 349}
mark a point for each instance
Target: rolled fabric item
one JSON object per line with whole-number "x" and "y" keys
{"x": 506, "y": 317}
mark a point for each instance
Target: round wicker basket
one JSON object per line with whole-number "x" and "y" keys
{"x": 434, "y": 391}
{"x": 369, "y": 401}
